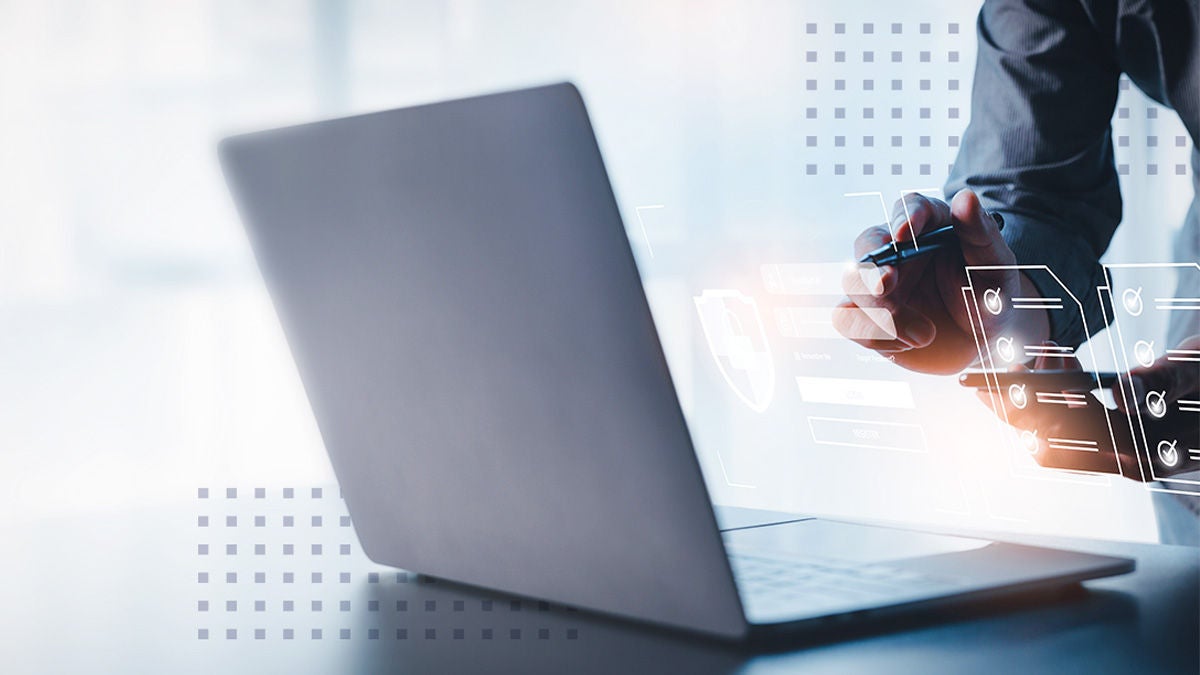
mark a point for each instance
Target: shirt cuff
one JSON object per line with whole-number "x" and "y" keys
{"x": 1067, "y": 258}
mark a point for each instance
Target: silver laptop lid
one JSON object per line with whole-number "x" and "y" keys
{"x": 463, "y": 306}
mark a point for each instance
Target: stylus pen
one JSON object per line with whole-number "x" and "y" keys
{"x": 902, "y": 251}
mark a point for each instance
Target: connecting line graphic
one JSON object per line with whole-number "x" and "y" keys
{"x": 1061, "y": 398}
{"x": 1177, "y": 304}
{"x": 1034, "y": 351}
{"x": 1125, "y": 387}
{"x": 907, "y": 215}
{"x": 1073, "y": 444}
{"x": 637, "y": 210}
{"x": 985, "y": 356}
{"x": 726, "y": 475}
{"x": 1037, "y": 303}
{"x": 887, "y": 218}
{"x": 972, "y": 306}
{"x": 1049, "y": 303}
{"x": 1183, "y": 355}
{"x": 1174, "y": 484}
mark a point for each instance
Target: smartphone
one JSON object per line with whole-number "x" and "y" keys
{"x": 1044, "y": 380}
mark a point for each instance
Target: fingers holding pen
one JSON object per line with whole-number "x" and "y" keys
{"x": 882, "y": 285}
{"x": 878, "y": 315}
{"x": 978, "y": 232}
{"x": 881, "y": 312}
{"x": 883, "y": 329}
{"x": 914, "y": 213}
{"x": 867, "y": 279}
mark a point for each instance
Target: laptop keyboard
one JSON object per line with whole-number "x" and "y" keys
{"x": 777, "y": 589}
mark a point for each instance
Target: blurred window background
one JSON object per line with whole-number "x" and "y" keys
{"x": 139, "y": 356}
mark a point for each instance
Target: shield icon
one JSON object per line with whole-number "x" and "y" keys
{"x": 737, "y": 339}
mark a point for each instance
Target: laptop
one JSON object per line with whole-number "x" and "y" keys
{"x": 471, "y": 330}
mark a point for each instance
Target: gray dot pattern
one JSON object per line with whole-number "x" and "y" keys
{"x": 298, "y": 574}
{"x": 901, "y": 64}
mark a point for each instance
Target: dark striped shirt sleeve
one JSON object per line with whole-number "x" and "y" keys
{"x": 1038, "y": 148}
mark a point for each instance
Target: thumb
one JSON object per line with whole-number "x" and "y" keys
{"x": 978, "y": 234}
{"x": 1046, "y": 361}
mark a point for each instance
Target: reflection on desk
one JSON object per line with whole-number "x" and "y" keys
{"x": 123, "y": 592}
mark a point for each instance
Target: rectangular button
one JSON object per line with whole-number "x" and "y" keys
{"x": 876, "y": 393}
{"x": 804, "y": 278}
{"x": 868, "y": 434}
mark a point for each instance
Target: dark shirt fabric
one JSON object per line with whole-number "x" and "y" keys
{"x": 1039, "y": 146}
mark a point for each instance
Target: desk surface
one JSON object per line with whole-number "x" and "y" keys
{"x": 278, "y": 584}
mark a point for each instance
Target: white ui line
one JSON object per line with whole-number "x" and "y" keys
{"x": 1072, "y": 444}
{"x": 1188, "y": 405}
{"x": 637, "y": 210}
{"x": 1169, "y": 304}
{"x": 1033, "y": 351}
{"x": 887, "y": 218}
{"x": 1061, "y": 398}
{"x": 1183, "y": 354}
{"x": 1037, "y": 303}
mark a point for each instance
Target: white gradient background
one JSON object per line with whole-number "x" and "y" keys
{"x": 139, "y": 357}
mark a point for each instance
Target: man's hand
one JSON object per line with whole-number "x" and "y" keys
{"x": 924, "y": 296}
{"x": 1158, "y": 389}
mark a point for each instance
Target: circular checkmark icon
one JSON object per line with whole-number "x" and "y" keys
{"x": 1143, "y": 352}
{"x": 993, "y": 301}
{"x": 1132, "y": 300}
{"x": 1004, "y": 348}
{"x": 1029, "y": 440}
{"x": 1156, "y": 403}
{"x": 1016, "y": 394}
{"x": 1168, "y": 453}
